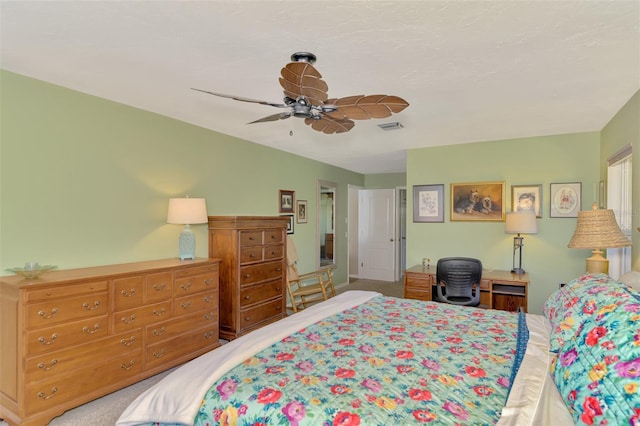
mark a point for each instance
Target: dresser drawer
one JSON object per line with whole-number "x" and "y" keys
{"x": 250, "y": 238}
{"x": 66, "y": 291}
{"x": 63, "y": 335}
{"x": 139, "y": 317}
{"x": 68, "y": 360}
{"x": 273, "y": 252}
{"x": 195, "y": 342}
{"x": 61, "y": 310}
{"x": 177, "y": 326}
{"x": 52, "y": 392}
{"x": 196, "y": 284}
{"x": 127, "y": 292}
{"x": 195, "y": 302}
{"x": 273, "y": 236}
{"x": 158, "y": 287}
{"x": 251, "y": 254}
{"x": 249, "y": 317}
{"x": 412, "y": 293}
{"x": 257, "y": 273}
{"x": 257, "y": 294}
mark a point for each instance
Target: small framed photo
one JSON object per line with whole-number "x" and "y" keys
{"x": 526, "y": 198}
{"x": 286, "y": 201}
{"x": 301, "y": 211}
{"x": 290, "y": 223}
{"x": 566, "y": 199}
{"x": 477, "y": 201}
{"x": 428, "y": 203}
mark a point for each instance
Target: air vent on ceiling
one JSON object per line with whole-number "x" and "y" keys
{"x": 391, "y": 126}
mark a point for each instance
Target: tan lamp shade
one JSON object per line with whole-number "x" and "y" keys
{"x": 185, "y": 211}
{"x": 597, "y": 229}
{"x": 521, "y": 223}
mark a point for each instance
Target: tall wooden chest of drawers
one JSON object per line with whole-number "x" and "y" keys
{"x": 74, "y": 335}
{"x": 252, "y": 271}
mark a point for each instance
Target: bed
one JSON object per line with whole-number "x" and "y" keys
{"x": 362, "y": 358}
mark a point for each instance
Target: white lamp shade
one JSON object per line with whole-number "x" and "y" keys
{"x": 523, "y": 222}
{"x": 187, "y": 211}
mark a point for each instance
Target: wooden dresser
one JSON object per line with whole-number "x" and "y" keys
{"x": 74, "y": 335}
{"x": 501, "y": 290}
{"x": 252, "y": 271}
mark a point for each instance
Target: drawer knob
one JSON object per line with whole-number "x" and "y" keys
{"x": 208, "y": 299}
{"x": 129, "y": 320}
{"x": 252, "y": 238}
{"x": 88, "y": 307}
{"x": 277, "y": 288}
{"x": 129, "y": 366}
{"x": 87, "y": 330}
{"x": 160, "y": 332}
{"x": 247, "y": 297}
{"x": 278, "y": 308}
{"x": 51, "y": 395}
{"x": 278, "y": 269}
{"x": 252, "y": 255}
{"x": 44, "y": 367}
{"x": 209, "y": 316}
{"x": 44, "y": 315}
{"x": 158, "y": 312}
{"x": 129, "y": 293}
{"x": 209, "y": 281}
{"x": 128, "y": 342}
{"x": 44, "y": 341}
{"x": 186, "y": 286}
{"x": 247, "y": 318}
{"x": 185, "y": 305}
{"x": 159, "y": 355}
{"x": 209, "y": 335}
{"x": 159, "y": 287}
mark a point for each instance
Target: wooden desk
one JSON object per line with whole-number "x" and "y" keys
{"x": 501, "y": 290}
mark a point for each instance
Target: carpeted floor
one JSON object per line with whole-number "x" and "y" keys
{"x": 106, "y": 410}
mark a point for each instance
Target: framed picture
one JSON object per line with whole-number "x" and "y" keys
{"x": 526, "y": 198}
{"x": 301, "y": 211}
{"x": 286, "y": 201}
{"x": 428, "y": 203}
{"x": 477, "y": 201}
{"x": 290, "y": 223}
{"x": 566, "y": 199}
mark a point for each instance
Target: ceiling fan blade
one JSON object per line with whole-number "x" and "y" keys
{"x": 329, "y": 125}
{"x": 302, "y": 79}
{"x": 365, "y": 107}
{"x": 241, "y": 99}
{"x": 274, "y": 117}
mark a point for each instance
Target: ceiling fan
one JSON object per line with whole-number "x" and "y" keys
{"x": 305, "y": 95}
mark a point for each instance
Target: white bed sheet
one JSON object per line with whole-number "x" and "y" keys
{"x": 533, "y": 400}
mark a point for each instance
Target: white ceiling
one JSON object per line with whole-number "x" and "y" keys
{"x": 471, "y": 70}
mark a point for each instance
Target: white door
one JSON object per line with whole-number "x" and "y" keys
{"x": 376, "y": 239}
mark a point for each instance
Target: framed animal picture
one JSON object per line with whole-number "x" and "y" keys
{"x": 566, "y": 199}
{"x": 478, "y": 201}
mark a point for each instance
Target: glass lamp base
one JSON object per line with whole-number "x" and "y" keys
{"x": 187, "y": 243}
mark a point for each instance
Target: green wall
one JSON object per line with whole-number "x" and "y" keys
{"x": 539, "y": 160}
{"x": 385, "y": 180}
{"x": 623, "y": 130}
{"x": 85, "y": 181}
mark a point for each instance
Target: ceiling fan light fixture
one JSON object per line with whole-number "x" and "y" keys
{"x": 394, "y": 125}
{"x": 303, "y": 57}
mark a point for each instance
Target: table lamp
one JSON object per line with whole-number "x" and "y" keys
{"x": 521, "y": 222}
{"x": 597, "y": 229}
{"x": 187, "y": 211}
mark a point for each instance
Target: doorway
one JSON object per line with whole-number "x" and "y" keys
{"x": 326, "y": 223}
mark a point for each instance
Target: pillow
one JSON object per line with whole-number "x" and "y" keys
{"x": 632, "y": 279}
{"x": 597, "y": 371}
{"x": 587, "y": 298}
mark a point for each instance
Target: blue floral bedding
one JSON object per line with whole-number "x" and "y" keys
{"x": 388, "y": 361}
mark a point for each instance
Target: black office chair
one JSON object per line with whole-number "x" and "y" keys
{"x": 456, "y": 276}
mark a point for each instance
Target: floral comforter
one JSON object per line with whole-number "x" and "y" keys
{"x": 383, "y": 362}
